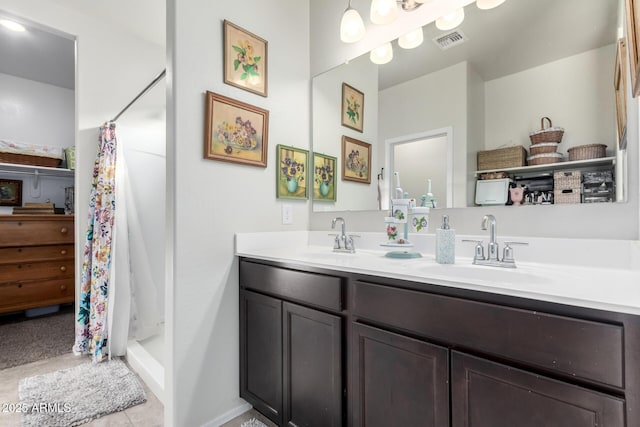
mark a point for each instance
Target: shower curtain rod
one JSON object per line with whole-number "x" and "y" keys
{"x": 145, "y": 90}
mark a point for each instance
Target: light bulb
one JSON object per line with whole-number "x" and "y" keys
{"x": 411, "y": 39}
{"x": 382, "y": 54}
{"x": 351, "y": 27}
{"x": 383, "y": 11}
{"x": 451, "y": 20}
{"x": 14, "y": 26}
{"x": 488, "y": 4}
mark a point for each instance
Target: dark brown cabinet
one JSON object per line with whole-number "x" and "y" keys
{"x": 400, "y": 381}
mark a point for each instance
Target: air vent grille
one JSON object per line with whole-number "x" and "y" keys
{"x": 450, "y": 40}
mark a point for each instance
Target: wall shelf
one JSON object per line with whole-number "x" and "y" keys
{"x": 576, "y": 164}
{"x": 13, "y": 168}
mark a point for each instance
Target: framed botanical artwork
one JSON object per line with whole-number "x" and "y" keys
{"x": 356, "y": 160}
{"x": 235, "y": 131}
{"x": 324, "y": 178}
{"x": 352, "y": 108}
{"x": 245, "y": 59}
{"x": 10, "y": 192}
{"x": 632, "y": 12}
{"x": 291, "y": 174}
{"x": 620, "y": 86}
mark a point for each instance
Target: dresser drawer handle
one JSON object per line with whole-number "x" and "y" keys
{"x": 63, "y": 230}
{"x": 19, "y": 285}
{"x": 63, "y": 268}
{"x": 63, "y": 252}
{"x": 63, "y": 287}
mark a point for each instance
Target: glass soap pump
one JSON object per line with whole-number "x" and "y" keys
{"x": 445, "y": 242}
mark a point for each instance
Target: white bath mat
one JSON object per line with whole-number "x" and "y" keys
{"x": 77, "y": 395}
{"x": 253, "y": 423}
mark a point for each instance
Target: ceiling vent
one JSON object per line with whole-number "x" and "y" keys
{"x": 450, "y": 40}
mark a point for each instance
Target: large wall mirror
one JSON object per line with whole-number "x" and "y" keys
{"x": 490, "y": 81}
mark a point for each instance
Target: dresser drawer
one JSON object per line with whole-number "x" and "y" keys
{"x": 35, "y": 253}
{"x": 574, "y": 347}
{"x": 17, "y": 296}
{"x": 298, "y": 286}
{"x": 26, "y": 231}
{"x": 36, "y": 270}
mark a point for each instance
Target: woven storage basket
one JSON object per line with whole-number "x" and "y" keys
{"x": 543, "y": 159}
{"x": 502, "y": 158}
{"x": 543, "y": 148}
{"x": 567, "y": 180}
{"x": 566, "y": 196}
{"x": 586, "y": 152}
{"x": 548, "y": 134}
{"x": 25, "y": 159}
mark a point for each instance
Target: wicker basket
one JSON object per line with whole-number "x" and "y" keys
{"x": 566, "y": 196}
{"x": 563, "y": 180}
{"x": 543, "y": 159}
{"x": 548, "y": 134}
{"x": 543, "y": 148}
{"x": 586, "y": 152}
{"x": 25, "y": 159}
{"x": 502, "y": 158}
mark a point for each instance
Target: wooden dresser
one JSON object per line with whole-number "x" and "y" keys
{"x": 36, "y": 261}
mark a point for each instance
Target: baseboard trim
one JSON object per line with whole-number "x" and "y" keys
{"x": 229, "y": 415}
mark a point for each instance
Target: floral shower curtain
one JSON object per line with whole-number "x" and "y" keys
{"x": 91, "y": 322}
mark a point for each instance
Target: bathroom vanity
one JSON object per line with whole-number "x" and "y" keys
{"x": 333, "y": 345}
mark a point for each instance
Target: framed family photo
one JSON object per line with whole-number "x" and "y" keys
{"x": 235, "y": 131}
{"x": 10, "y": 192}
{"x": 324, "y": 178}
{"x": 352, "y": 108}
{"x": 291, "y": 173}
{"x": 245, "y": 59}
{"x": 356, "y": 160}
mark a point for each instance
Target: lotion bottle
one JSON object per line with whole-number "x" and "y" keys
{"x": 445, "y": 242}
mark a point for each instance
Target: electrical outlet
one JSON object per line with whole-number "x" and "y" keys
{"x": 287, "y": 214}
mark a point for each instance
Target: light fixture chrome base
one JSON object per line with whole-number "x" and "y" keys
{"x": 409, "y": 5}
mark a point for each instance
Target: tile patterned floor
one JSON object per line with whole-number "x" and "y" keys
{"x": 237, "y": 422}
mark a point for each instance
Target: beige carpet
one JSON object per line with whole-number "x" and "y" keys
{"x": 24, "y": 340}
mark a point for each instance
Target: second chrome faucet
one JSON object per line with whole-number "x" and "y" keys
{"x": 342, "y": 243}
{"x": 492, "y": 258}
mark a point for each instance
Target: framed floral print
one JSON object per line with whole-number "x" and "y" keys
{"x": 235, "y": 131}
{"x": 324, "y": 178}
{"x": 632, "y": 11}
{"x": 291, "y": 174}
{"x": 356, "y": 160}
{"x": 352, "y": 108}
{"x": 245, "y": 59}
{"x": 10, "y": 192}
{"x": 620, "y": 87}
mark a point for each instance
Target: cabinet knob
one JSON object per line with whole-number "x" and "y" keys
{"x": 63, "y": 230}
{"x": 63, "y": 268}
{"x": 19, "y": 249}
{"x": 19, "y": 285}
{"x": 63, "y": 252}
{"x": 19, "y": 266}
{"x": 63, "y": 287}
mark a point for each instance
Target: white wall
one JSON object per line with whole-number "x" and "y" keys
{"x": 361, "y": 74}
{"x": 212, "y": 200}
{"x": 575, "y": 92}
{"x": 476, "y": 129}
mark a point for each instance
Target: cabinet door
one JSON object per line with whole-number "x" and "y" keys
{"x": 312, "y": 367}
{"x": 261, "y": 353}
{"x": 399, "y": 381}
{"x": 488, "y": 394}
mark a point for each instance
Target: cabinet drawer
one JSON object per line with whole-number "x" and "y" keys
{"x": 577, "y": 348}
{"x": 35, "y": 253}
{"x": 57, "y": 269}
{"x": 314, "y": 289}
{"x": 33, "y": 231}
{"x": 22, "y": 295}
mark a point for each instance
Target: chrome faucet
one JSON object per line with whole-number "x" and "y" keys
{"x": 342, "y": 243}
{"x": 492, "y": 258}
{"x": 492, "y": 246}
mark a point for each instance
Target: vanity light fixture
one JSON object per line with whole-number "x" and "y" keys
{"x": 383, "y": 11}
{"x": 12, "y": 25}
{"x": 488, "y": 4}
{"x": 451, "y": 20}
{"x": 382, "y": 54}
{"x": 411, "y": 39}
{"x": 351, "y": 26}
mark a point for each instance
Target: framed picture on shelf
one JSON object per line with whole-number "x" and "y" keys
{"x": 235, "y": 131}
{"x": 10, "y": 192}
{"x": 633, "y": 32}
{"x": 292, "y": 172}
{"x": 356, "y": 160}
{"x": 324, "y": 178}
{"x": 620, "y": 86}
{"x": 352, "y": 108}
{"x": 245, "y": 59}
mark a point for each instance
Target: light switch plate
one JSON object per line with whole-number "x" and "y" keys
{"x": 287, "y": 214}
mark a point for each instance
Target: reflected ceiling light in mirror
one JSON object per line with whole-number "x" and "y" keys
{"x": 382, "y": 54}
{"x": 488, "y": 4}
{"x": 12, "y": 25}
{"x": 451, "y": 20}
{"x": 411, "y": 39}
{"x": 383, "y": 11}
{"x": 351, "y": 26}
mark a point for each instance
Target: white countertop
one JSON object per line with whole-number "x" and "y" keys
{"x": 612, "y": 286}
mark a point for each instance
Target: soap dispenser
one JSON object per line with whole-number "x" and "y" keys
{"x": 445, "y": 242}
